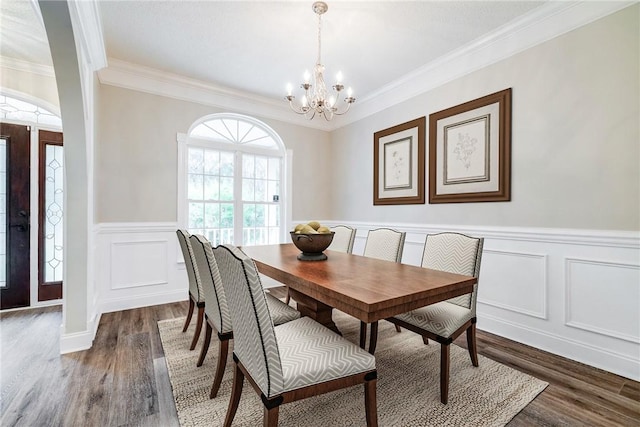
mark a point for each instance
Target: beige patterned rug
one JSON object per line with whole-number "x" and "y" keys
{"x": 408, "y": 386}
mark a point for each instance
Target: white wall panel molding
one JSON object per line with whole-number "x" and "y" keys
{"x": 519, "y": 282}
{"x": 589, "y": 284}
{"x": 139, "y": 263}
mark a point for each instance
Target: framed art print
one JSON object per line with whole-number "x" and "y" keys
{"x": 470, "y": 151}
{"x": 398, "y": 164}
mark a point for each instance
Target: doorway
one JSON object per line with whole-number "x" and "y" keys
{"x": 14, "y": 215}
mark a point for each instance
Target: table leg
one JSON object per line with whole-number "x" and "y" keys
{"x": 363, "y": 334}
{"x": 314, "y": 309}
{"x": 373, "y": 338}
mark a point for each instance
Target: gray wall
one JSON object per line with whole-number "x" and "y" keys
{"x": 575, "y": 137}
{"x": 136, "y": 157}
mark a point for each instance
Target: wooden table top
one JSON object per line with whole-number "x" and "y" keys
{"x": 366, "y": 288}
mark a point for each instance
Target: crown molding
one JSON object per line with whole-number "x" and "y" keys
{"x": 136, "y": 77}
{"x": 26, "y": 67}
{"x": 549, "y": 21}
{"x": 544, "y": 23}
{"x": 86, "y": 17}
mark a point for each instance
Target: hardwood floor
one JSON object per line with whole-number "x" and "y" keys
{"x": 123, "y": 380}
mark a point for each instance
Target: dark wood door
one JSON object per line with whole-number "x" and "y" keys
{"x": 50, "y": 215}
{"x": 14, "y": 284}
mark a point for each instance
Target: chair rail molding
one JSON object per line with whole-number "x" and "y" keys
{"x": 542, "y": 286}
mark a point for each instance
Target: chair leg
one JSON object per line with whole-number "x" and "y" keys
{"x": 205, "y": 344}
{"x": 370, "y": 405}
{"x": 471, "y": 344}
{"x": 444, "y": 373}
{"x": 236, "y": 392}
{"x": 189, "y": 314}
{"x": 288, "y": 297}
{"x": 196, "y": 335}
{"x": 425, "y": 340}
{"x": 398, "y": 329}
{"x": 222, "y": 363}
{"x": 271, "y": 416}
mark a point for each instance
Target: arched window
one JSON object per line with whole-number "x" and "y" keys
{"x": 231, "y": 183}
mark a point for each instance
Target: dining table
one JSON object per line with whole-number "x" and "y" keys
{"x": 368, "y": 289}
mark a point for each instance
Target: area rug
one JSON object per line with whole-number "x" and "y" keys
{"x": 408, "y": 388}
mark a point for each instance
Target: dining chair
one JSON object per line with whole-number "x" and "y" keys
{"x": 289, "y": 362}
{"x": 446, "y": 320}
{"x": 385, "y": 244}
{"x": 342, "y": 239}
{"x": 217, "y": 310}
{"x": 196, "y": 294}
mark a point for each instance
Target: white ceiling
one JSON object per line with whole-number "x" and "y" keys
{"x": 259, "y": 47}
{"x": 242, "y": 54}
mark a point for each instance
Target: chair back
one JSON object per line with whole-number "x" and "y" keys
{"x": 343, "y": 239}
{"x": 195, "y": 285}
{"x": 455, "y": 253}
{"x": 385, "y": 244}
{"x": 254, "y": 337}
{"x": 216, "y": 307}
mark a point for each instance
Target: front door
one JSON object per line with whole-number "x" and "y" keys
{"x": 14, "y": 215}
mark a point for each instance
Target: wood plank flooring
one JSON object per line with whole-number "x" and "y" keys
{"x": 123, "y": 381}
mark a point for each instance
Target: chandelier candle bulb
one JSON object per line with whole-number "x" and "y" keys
{"x": 318, "y": 101}
{"x": 289, "y": 89}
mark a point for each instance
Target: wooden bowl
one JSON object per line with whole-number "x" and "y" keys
{"x": 312, "y": 245}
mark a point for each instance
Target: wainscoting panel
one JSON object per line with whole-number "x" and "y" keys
{"x": 139, "y": 263}
{"x": 518, "y": 282}
{"x": 137, "y": 266}
{"x": 575, "y": 293}
{"x": 589, "y": 284}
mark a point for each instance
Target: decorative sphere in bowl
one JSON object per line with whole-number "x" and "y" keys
{"x": 312, "y": 245}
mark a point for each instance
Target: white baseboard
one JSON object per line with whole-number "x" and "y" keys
{"x": 130, "y": 302}
{"x": 598, "y": 357}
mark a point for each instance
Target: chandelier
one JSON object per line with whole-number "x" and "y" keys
{"x": 314, "y": 100}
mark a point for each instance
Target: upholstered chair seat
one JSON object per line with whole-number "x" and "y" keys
{"x": 217, "y": 313}
{"x": 327, "y": 356}
{"x": 442, "y": 318}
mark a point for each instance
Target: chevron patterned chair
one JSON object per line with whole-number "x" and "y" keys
{"x": 445, "y": 321}
{"x": 289, "y": 362}
{"x": 217, "y": 311}
{"x": 343, "y": 239}
{"x": 196, "y": 294}
{"x": 385, "y": 244}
